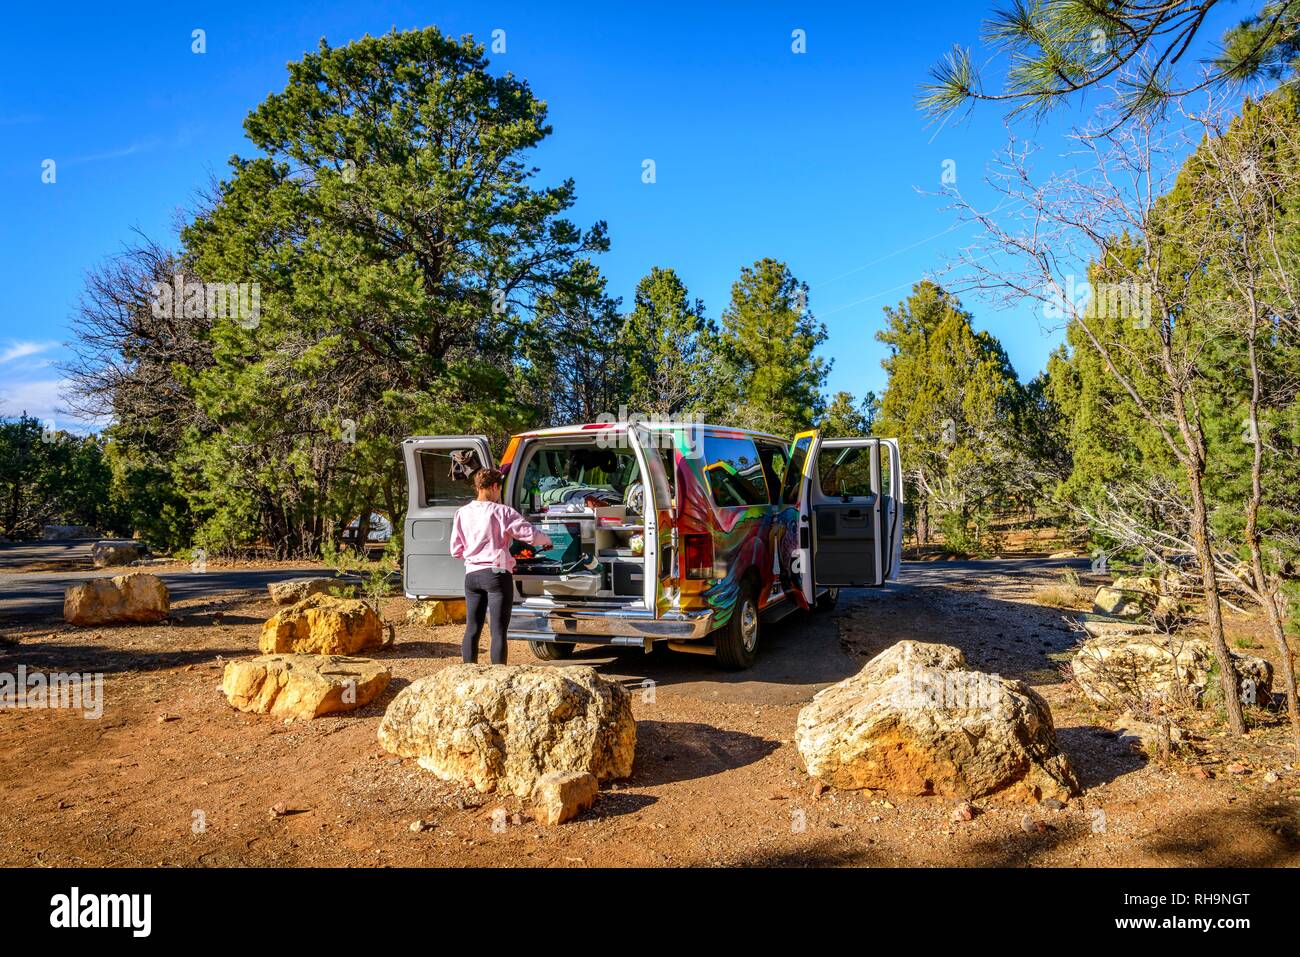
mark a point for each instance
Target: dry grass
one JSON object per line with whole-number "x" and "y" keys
{"x": 1065, "y": 596}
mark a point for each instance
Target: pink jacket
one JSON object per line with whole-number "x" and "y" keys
{"x": 482, "y": 532}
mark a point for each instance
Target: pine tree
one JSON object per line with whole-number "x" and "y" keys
{"x": 670, "y": 348}
{"x": 847, "y": 418}
{"x": 953, "y": 400}
{"x": 769, "y": 338}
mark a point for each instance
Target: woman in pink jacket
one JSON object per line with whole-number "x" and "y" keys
{"x": 481, "y": 535}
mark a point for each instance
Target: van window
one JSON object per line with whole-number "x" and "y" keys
{"x": 578, "y": 475}
{"x": 735, "y": 471}
{"x": 775, "y": 459}
{"x": 792, "y": 487}
{"x": 436, "y": 470}
{"x": 845, "y": 471}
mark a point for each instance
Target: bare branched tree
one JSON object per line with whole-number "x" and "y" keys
{"x": 1148, "y": 334}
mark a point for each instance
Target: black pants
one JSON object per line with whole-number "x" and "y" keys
{"x": 487, "y": 591}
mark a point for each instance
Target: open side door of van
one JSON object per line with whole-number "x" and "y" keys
{"x": 849, "y": 496}
{"x": 436, "y": 488}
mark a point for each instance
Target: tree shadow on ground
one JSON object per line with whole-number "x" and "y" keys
{"x": 821, "y": 852}
{"x": 1097, "y": 755}
{"x": 106, "y": 659}
{"x": 1251, "y": 832}
{"x": 673, "y": 751}
{"x": 1020, "y": 640}
{"x": 799, "y": 650}
{"x": 618, "y": 803}
{"x": 419, "y": 648}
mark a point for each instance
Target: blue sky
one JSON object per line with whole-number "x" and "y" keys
{"x": 819, "y": 159}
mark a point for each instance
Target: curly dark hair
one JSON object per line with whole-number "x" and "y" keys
{"x": 487, "y": 478}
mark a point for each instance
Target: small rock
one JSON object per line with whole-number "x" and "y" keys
{"x": 1237, "y": 769}
{"x": 419, "y": 825}
{"x": 819, "y": 788}
{"x": 430, "y": 613}
{"x": 1052, "y": 804}
{"x": 1271, "y": 777}
{"x": 965, "y": 811}
{"x": 562, "y": 795}
{"x": 279, "y": 809}
{"x": 1031, "y": 826}
{"x": 294, "y": 590}
{"x": 164, "y": 717}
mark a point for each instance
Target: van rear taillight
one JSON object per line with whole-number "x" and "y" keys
{"x": 697, "y": 556}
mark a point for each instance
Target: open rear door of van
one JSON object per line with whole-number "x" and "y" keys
{"x": 437, "y": 486}
{"x": 849, "y": 494}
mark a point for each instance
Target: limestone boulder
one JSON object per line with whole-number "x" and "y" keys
{"x": 109, "y": 553}
{"x": 303, "y": 686}
{"x": 445, "y": 612}
{"x": 916, "y": 720}
{"x": 504, "y": 727}
{"x": 562, "y": 795}
{"x": 1122, "y": 604}
{"x": 293, "y": 590}
{"x": 322, "y": 625}
{"x": 133, "y": 598}
{"x": 1130, "y": 670}
{"x": 60, "y": 533}
{"x": 1139, "y": 597}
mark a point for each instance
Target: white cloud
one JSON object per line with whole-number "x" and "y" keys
{"x": 41, "y": 399}
{"x": 21, "y": 350}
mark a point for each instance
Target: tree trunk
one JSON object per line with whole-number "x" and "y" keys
{"x": 1267, "y": 596}
{"x": 1228, "y": 679}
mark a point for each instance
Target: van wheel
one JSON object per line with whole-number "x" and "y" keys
{"x": 737, "y": 640}
{"x": 827, "y": 599}
{"x": 551, "y": 650}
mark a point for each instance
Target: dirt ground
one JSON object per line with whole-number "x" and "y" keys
{"x": 171, "y": 775}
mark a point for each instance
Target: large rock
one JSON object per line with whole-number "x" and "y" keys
{"x": 505, "y": 726}
{"x": 136, "y": 597}
{"x": 322, "y": 625}
{"x": 108, "y": 553}
{"x": 293, "y": 590}
{"x": 916, "y": 721}
{"x": 303, "y": 686}
{"x": 446, "y": 612}
{"x": 1127, "y": 671}
{"x": 1122, "y": 603}
{"x": 1138, "y": 597}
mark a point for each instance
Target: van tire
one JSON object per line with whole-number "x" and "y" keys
{"x": 736, "y": 642}
{"x": 551, "y": 650}
{"x": 826, "y": 600}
